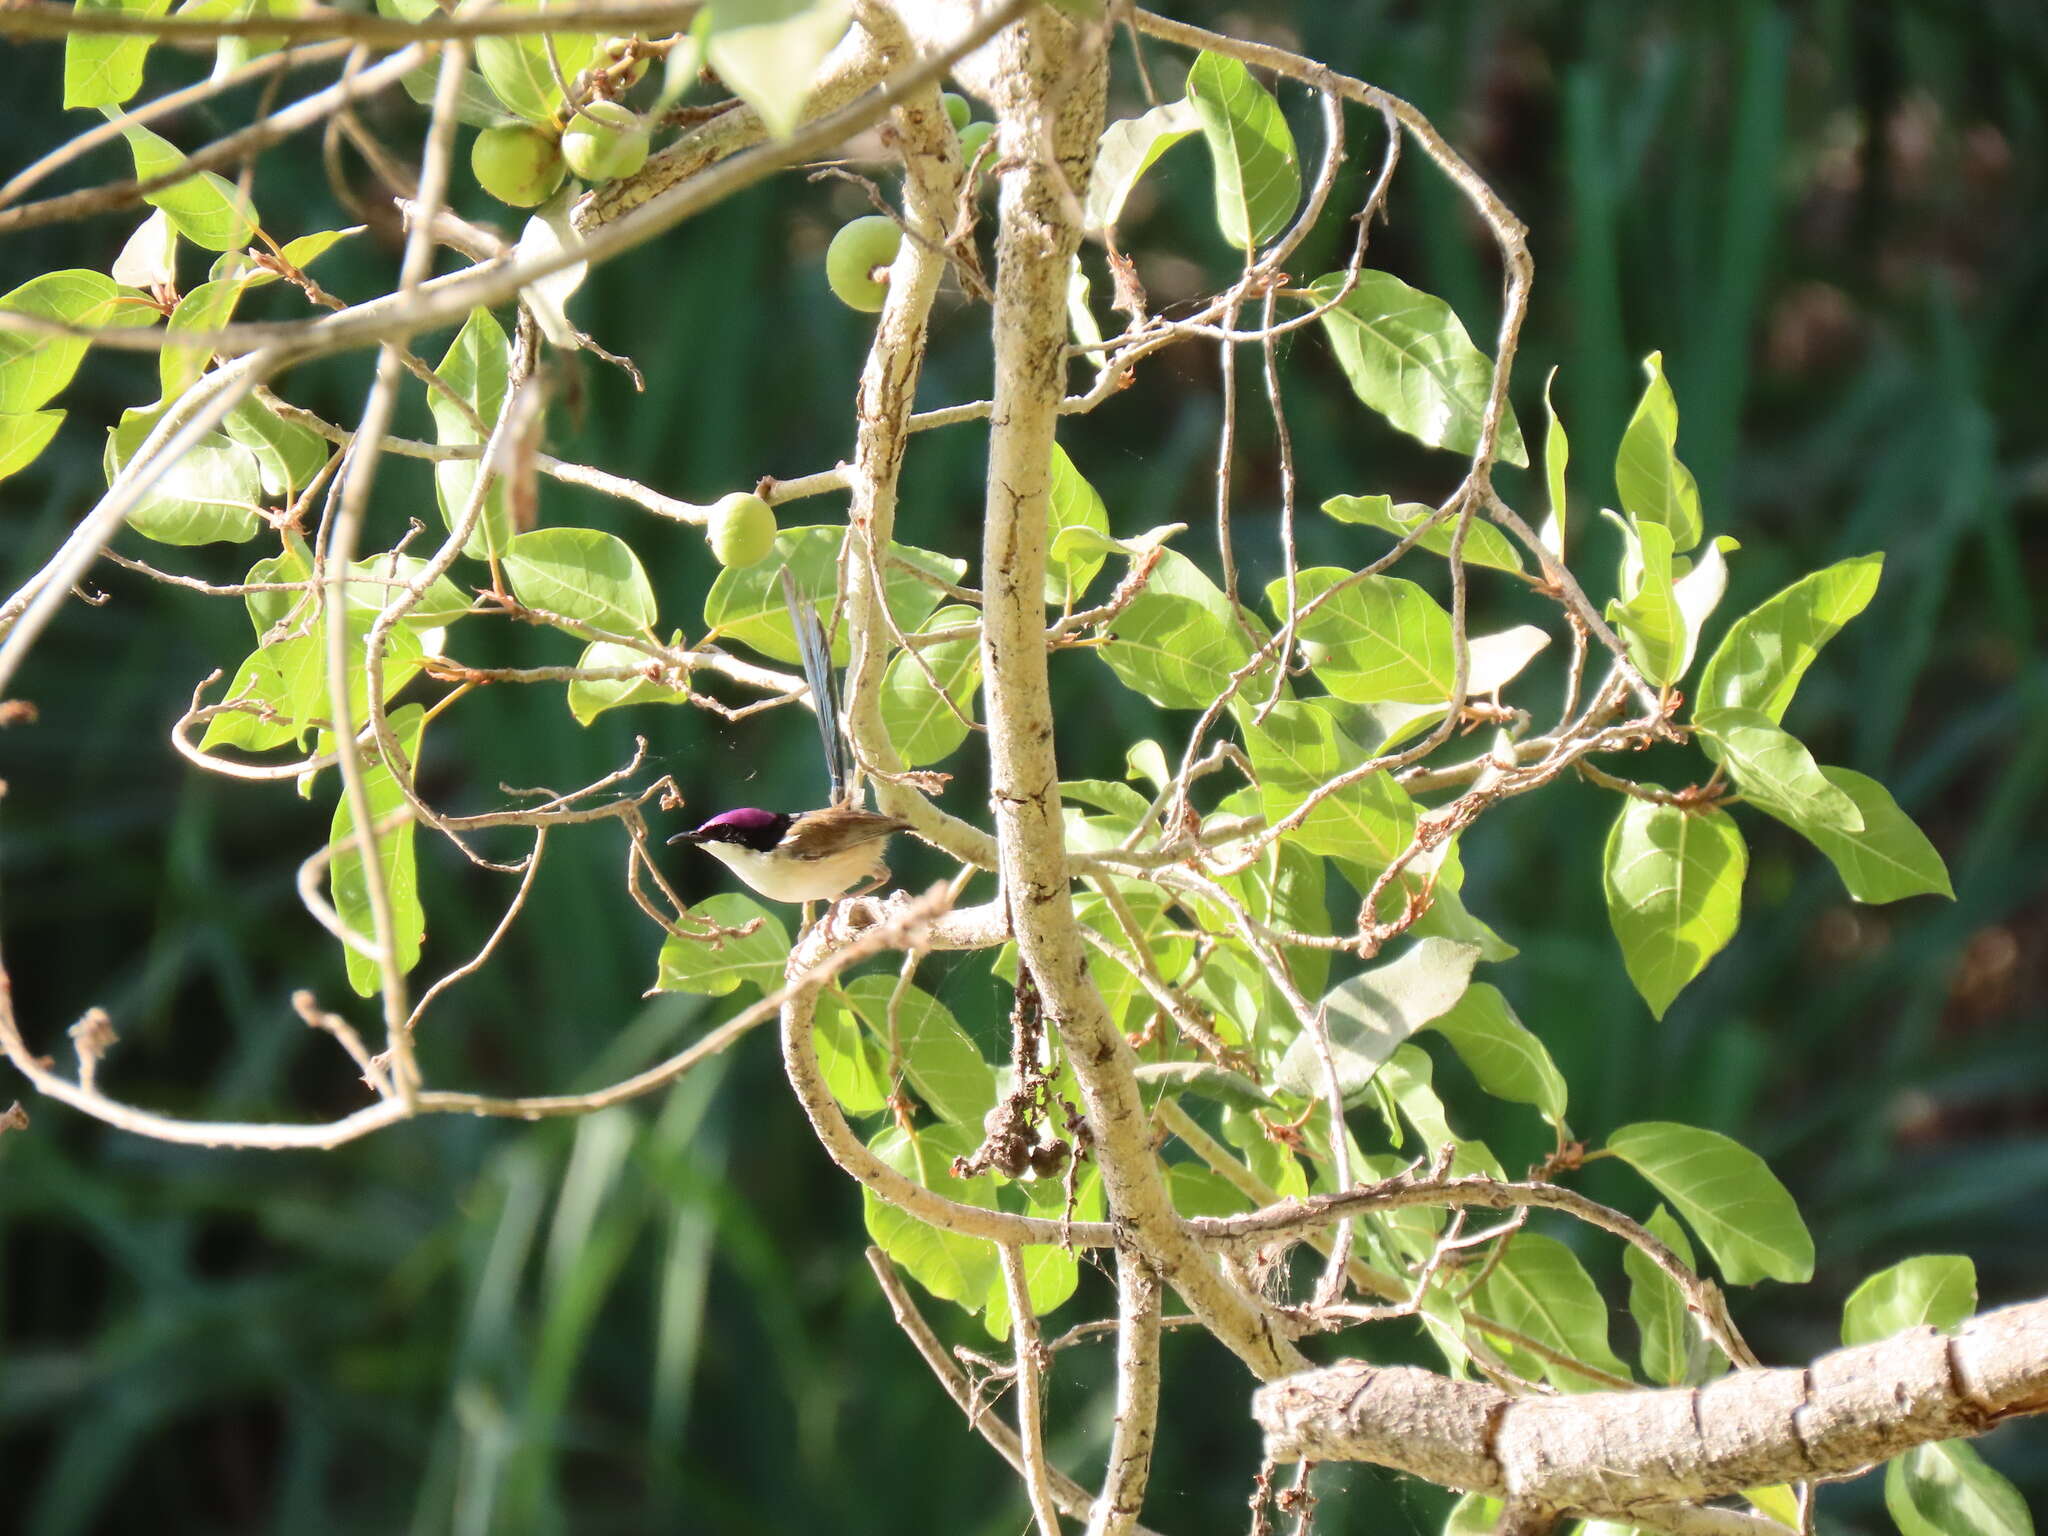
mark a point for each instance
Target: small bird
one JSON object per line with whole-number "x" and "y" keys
{"x": 815, "y": 855}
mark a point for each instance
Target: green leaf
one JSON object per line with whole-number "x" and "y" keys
{"x": 213, "y": 494}
{"x": 746, "y": 604}
{"x": 1509, "y": 1061}
{"x": 1174, "y": 651}
{"x": 1674, "y": 893}
{"x": 1947, "y": 1489}
{"x": 1258, "y": 174}
{"x": 1128, "y": 149}
{"x": 346, "y": 877}
{"x": 1775, "y": 771}
{"x": 1407, "y": 357}
{"x": 1888, "y": 860}
{"x": 769, "y": 51}
{"x": 944, "y": 1065}
{"x": 1733, "y": 1201}
{"x": 589, "y": 698}
{"x": 581, "y": 574}
{"x": 207, "y": 209}
{"x": 478, "y": 368}
{"x": 1669, "y": 1335}
{"x": 1484, "y": 544}
{"x": 952, "y": 1267}
{"x": 714, "y": 969}
{"x": 1765, "y": 653}
{"x": 1051, "y": 1273}
{"x": 1368, "y": 1016}
{"x": 475, "y": 102}
{"x": 206, "y": 308}
{"x": 1406, "y": 1076}
{"x": 1648, "y": 615}
{"x": 105, "y": 69}
{"x": 855, "y": 1068}
{"x": 289, "y": 679}
{"x": 1299, "y": 748}
{"x": 1383, "y": 639}
{"x": 1698, "y": 593}
{"x": 23, "y": 437}
{"x": 517, "y": 69}
{"x": 34, "y": 368}
{"x": 1473, "y": 1515}
{"x": 1654, "y": 486}
{"x": 921, "y": 726}
{"x": 1075, "y": 504}
{"x": 1540, "y": 1289}
{"x": 288, "y": 455}
{"x": 1930, "y": 1290}
{"x": 243, "y": 268}
{"x": 1557, "y": 454}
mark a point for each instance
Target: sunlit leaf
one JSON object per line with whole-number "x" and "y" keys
{"x": 582, "y": 574}
{"x": 1669, "y": 1334}
{"x": 105, "y": 69}
{"x": 1368, "y": 1016}
{"x": 1932, "y": 1290}
{"x": 952, "y": 1267}
{"x": 1380, "y": 638}
{"x": 1891, "y": 858}
{"x": 1299, "y": 748}
{"x": 1508, "y": 1059}
{"x": 1647, "y": 613}
{"x": 1654, "y": 487}
{"x": 23, "y": 437}
{"x": 1765, "y": 653}
{"x": 715, "y": 968}
{"x": 206, "y": 308}
{"x": 1730, "y": 1197}
{"x": 769, "y": 51}
{"x": 477, "y": 367}
{"x": 1539, "y": 1289}
{"x": 1774, "y": 769}
{"x": 1408, "y": 357}
{"x": 288, "y": 455}
{"x": 921, "y": 725}
{"x": 1484, "y": 544}
{"x": 1557, "y": 454}
{"x": 212, "y": 494}
{"x": 1174, "y": 651}
{"x": 348, "y": 882}
{"x": 853, "y": 1064}
{"x": 1947, "y": 1489}
{"x": 944, "y": 1065}
{"x": 1674, "y": 893}
{"x": 208, "y": 209}
{"x": 288, "y": 679}
{"x": 33, "y": 368}
{"x": 1075, "y": 504}
{"x": 591, "y": 697}
{"x": 1258, "y": 173}
{"x": 1128, "y": 149}
{"x": 518, "y": 72}
{"x": 746, "y": 603}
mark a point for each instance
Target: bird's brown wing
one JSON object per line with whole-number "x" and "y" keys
{"x": 822, "y": 834}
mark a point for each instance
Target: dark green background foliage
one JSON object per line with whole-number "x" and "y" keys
{"x": 1829, "y": 217}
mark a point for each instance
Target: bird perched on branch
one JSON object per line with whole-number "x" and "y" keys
{"x": 813, "y": 855}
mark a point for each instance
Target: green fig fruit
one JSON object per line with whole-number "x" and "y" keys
{"x": 741, "y": 529}
{"x": 518, "y": 165}
{"x": 857, "y": 261}
{"x": 605, "y": 140}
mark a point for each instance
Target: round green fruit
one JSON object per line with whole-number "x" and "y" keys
{"x": 605, "y": 140}
{"x": 520, "y": 166}
{"x": 741, "y": 529}
{"x": 972, "y": 137}
{"x": 857, "y": 261}
{"x": 958, "y": 110}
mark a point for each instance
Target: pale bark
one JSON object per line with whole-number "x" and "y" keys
{"x": 1621, "y": 1455}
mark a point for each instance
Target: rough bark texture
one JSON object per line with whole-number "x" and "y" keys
{"x": 1609, "y": 1453}
{"x": 1049, "y": 91}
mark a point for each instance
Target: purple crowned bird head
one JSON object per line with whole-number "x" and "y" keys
{"x": 750, "y": 828}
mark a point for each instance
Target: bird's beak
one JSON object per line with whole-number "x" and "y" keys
{"x": 686, "y": 837}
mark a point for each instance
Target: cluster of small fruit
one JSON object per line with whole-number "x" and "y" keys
{"x": 522, "y": 164}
